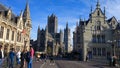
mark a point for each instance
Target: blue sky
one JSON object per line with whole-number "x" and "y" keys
{"x": 66, "y": 10}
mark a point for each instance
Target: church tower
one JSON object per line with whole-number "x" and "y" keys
{"x": 27, "y": 24}
{"x": 52, "y": 24}
{"x": 26, "y": 16}
{"x": 38, "y": 39}
{"x": 67, "y": 39}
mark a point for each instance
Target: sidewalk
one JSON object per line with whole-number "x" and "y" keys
{"x": 101, "y": 63}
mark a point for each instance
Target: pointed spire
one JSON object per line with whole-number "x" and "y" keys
{"x": 21, "y": 13}
{"x": 98, "y": 4}
{"x": 46, "y": 28}
{"x": 38, "y": 32}
{"x": 66, "y": 25}
{"x": 91, "y": 9}
{"x": 26, "y": 14}
{"x": 79, "y": 21}
{"x": 60, "y": 30}
{"x": 39, "y": 27}
{"x": 91, "y": 14}
{"x": 84, "y": 22}
{"x": 104, "y": 15}
{"x": 104, "y": 10}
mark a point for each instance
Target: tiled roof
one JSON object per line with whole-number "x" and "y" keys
{"x": 2, "y": 7}
{"x": 109, "y": 19}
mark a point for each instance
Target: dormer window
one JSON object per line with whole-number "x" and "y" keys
{"x": 9, "y": 14}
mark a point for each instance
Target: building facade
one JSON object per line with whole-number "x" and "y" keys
{"x": 14, "y": 30}
{"x": 116, "y": 47}
{"x": 67, "y": 39}
{"x": 91, "y": 37}
{"x": 49, "y": 41}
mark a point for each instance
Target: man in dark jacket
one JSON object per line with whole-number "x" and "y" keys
{"x": 23, "y": 55}
{"x": 11, "y": 57}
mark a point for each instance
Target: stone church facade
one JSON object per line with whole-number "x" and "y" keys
{"x": 95, "y": 37}
{"x": 14, "y": 30}
{"x": 49, "y": 41}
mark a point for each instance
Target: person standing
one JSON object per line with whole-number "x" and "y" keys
{"x": 31, "y": 57}
{"x": 23, "y": 55}
{"x": 18, "y": 55}
{"x": 11, "y": 58}
{"x": 1, "y": 53}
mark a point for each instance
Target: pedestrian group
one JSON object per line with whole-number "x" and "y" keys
{"x": 23, "y": 58}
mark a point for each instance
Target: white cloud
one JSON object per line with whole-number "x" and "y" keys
{"x": 113, "y": 8}
{"x": 72, "y": 16}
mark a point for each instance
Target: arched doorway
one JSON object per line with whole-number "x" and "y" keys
{"x": 50, "y": 48}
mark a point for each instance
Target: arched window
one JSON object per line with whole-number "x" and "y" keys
{"x": 7, "y": 35}
{"x": 98, "y": 25}
{"x": 98, "y": 37}
{"x": 98, "y": 13}
{"x": 1, "y": 31}
{"x": 94, "y": 51}
{"x": 12, "y": 35}
{"x": 94, "y": 38}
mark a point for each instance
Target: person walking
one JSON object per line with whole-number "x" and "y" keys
{"x": 11, "y": 58}
{"x": 31, "y": 52}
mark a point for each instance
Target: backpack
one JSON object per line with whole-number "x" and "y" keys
{"x": 27, "y": 57}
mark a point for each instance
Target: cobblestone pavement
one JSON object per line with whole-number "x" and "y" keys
{"x": 69, "y": 64}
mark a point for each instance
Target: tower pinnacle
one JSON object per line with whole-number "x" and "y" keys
{"x": 98, "y": 4}
{"x": 26, "y": 14}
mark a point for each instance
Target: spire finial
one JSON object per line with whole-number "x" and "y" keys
{"x": 104, "y": 10}
{"x": 91, "y": 8}
{"x": 21, "y": 13}
{"x": 77, "y": 23}
{"x": 98, "y": 4}
{"x": 38, "y": 27}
